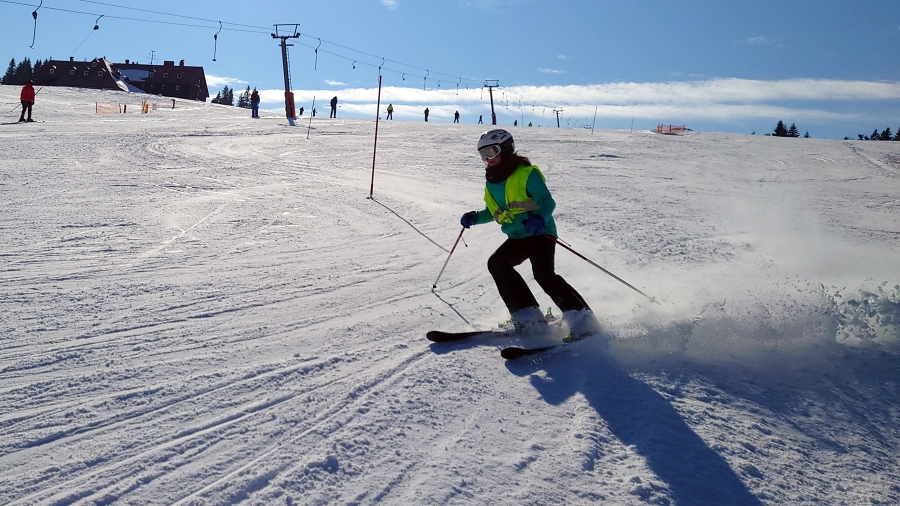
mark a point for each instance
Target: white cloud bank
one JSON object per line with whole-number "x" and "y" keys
{"x": 213, "y": 82}
{"x": 727, "y": 99}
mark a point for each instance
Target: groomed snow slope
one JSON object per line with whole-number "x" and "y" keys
{"x": 200, "y": 308}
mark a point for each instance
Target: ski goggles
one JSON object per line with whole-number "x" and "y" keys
{"x": 489, "y": 152}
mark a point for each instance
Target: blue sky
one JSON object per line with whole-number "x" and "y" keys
{"x": 832, "y": 67}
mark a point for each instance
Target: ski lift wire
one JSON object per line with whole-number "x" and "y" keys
{"x": 96, "y": 27}
{"x": 223, "y": 26}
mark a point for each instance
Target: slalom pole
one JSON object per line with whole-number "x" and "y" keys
{"x": 617, "y": 278}
{"x": 310, "y": 116}
{"x": 434, "y": 286}
{"x": 375, "y": 146}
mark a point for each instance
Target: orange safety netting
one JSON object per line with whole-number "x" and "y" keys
{"x": 671, "y": 129}
{"x": 108, "y": 108}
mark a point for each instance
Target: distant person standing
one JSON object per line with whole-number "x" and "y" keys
{"x": 254, "y": 103}
{"x": 314, "y": 112}
{"x": 479, "y": 120}
{"x": 301, "y": 111}
{"x": 390, "y": 111}
{"x": 426, "y": 115}
{"x": 456, "y": 117}
{"x": 27, "y": 98}
{"x": 333, "y": 108}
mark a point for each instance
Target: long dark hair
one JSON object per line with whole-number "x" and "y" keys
{"x": 508, "y": 164}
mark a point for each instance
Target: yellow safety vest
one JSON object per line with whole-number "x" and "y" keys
{"x": 517, "y": 199}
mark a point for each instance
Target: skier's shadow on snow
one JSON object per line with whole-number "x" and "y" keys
{"x": 642, "y": 418}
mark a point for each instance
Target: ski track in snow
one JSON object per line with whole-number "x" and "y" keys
{"x": 198, "y": 308}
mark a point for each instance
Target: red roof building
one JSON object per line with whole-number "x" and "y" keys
{"x": 168, "y": 79}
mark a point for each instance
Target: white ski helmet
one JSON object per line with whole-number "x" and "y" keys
{"x": 499, "y": 140}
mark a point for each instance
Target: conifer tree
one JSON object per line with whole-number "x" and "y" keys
{"x": 780, "y": 130}
{"x": 886, "y": 135}
{"x": 875, "y": 135}
{"x": 218, "y": 99}
{"x": 244, "y": 99}
{"x": 806, "y": 135}
{"x": 227, "y": 96}
{"x": 10, "y": 73}
{"x": 897, "y": 135}
{"x": 793, "y": 132}
{"x": 23, "y": 72}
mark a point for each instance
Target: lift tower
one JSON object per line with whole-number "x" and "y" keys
{"x": 490, "y": 84}
{"x": 288, "y": 94}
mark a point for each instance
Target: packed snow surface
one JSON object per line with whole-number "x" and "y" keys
{"x": 201, "y": 308}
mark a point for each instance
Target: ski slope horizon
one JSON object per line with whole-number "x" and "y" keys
{"x": 201, "y": 308}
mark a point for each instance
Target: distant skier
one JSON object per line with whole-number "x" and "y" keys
{"x": 27, "y": 98}
{"x": 333, "y": 108}
{"x": 456, "y": 117}
{"x": 390, "y": 111}
{"x": 517, "y": 198}
{"x": 426, "y": 115}
{"x": 254, "y": 103}
{"x": 479, "y": 120}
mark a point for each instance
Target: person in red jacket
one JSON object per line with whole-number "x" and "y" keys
{"x": 27, "y": 98}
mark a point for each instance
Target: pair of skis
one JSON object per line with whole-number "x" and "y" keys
{"x": 508, "y": 352}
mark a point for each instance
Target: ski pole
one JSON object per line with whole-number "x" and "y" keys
{"x": 448, "y": 258}
{"x": 20, "y": 104}
{"x": 617, "y": 278}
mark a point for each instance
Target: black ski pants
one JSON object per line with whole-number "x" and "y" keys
{"x": 540, "y": 250}
{"x": 26, "y": 108}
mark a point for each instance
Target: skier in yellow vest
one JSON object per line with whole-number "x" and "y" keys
{"x": 517, "y": 198}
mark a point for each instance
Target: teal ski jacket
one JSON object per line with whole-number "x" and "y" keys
{"x": 535, "y": 189}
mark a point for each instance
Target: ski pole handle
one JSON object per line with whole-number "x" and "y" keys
{"x": 434, "y": 286}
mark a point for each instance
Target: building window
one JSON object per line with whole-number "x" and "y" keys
{"x": 100, "y": 73}
{"x": 180, "y": 74}
{"x": 177, "y": 88}
{"x": 152, "y": 73}
{"x": 164, "y": 86}
{"x": 72, "y": 72}
{"x": 165, "y": 75}
{"x": 93, "y": 64}
{"x": 86, "y": 71}
{"x": 52, "y": 71}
